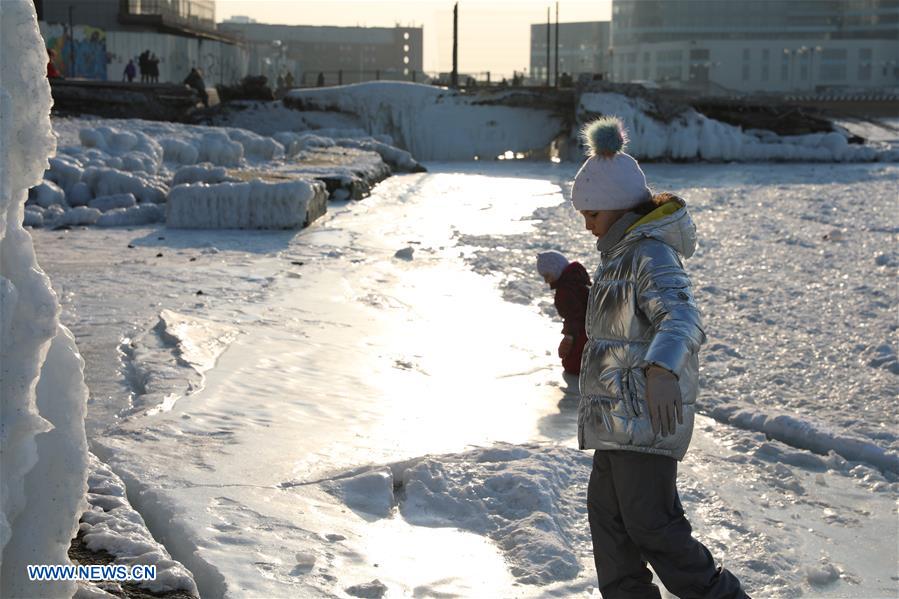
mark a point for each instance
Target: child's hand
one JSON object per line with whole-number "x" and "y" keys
{"x": 663, "y": 398}
{"x": 565, "y": 346}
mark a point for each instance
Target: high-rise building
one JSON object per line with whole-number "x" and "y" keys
{"x": 583, "y": 49}
{"x": 338, "y": 54}
{"x": 763, "y": 45}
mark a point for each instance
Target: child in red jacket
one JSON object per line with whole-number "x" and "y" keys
{"x": 572, "y": 285}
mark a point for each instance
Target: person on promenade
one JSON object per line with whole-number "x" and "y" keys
{"x": 571, "y": 284}
{"x": 129, "y": 72}
{"x": 52, "y": 71}
{"x": 639, "y": 379}
{"x": 195, "y": 81}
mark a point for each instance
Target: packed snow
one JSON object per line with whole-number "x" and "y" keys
{"x": 44, "y": 449}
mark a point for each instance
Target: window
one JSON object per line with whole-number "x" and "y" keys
{"x": 865, "y": 60}
{"x": 833, "y": 64}
{"x": 668, "y": 65}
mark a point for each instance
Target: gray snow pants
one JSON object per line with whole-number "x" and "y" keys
{"x": 636, "y": 516}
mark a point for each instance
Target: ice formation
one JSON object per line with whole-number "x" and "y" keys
{"x": 693, "y": 136}
{"x": 44, "y": 450}
{"x": 249, "y": 205}
{"x": 434, "y": 123}
{"x": 110, "y": 524}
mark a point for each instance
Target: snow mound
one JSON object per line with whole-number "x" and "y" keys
{"x": 42, "y": 392}
{"x": 693, "y": 136}
{"x": 527, "y": 498}
{"x": 370, "y": 492}
{"x": 110, "y": 524}
{"x": 434, "y": 123}
{"x": 249, "y": 205}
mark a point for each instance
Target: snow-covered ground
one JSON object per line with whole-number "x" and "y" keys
{"x": 385, "y": 416}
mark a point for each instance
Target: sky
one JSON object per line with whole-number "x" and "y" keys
{"x": 494, "y": 35}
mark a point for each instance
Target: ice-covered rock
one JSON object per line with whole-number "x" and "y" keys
{"x": 42, "y": 391}
{"x": 106, "y": 181}
{"x": 119, "y": 200}
{"x": 256, "y": 146}
{"x": 201, "y": 173}
{"x": 249, "y": 205}
{"x": 136, "y": 150}
{"x": 75, "y": 217}
{"x": 134, "y": 216}
{"x": 64, "y": 171}
{"x": 179, "y": 151}
{"x": 33, "y": 218}
{"x": 79, "y": 194}
{"x": 46, "y": 194}
{"x": 218, "y": 148}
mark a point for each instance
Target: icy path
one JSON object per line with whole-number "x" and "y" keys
{"x": 349, "y": 356}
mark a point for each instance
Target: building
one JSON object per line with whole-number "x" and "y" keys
{"x": 583, "y": 49}
{"x": 759, "y": 46}
{"x": 339, "y": 54}
{"x": 95, "y": 39}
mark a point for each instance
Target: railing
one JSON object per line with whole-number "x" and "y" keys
{"x": 194, "y": 13}
{"x": 466, "y": 80}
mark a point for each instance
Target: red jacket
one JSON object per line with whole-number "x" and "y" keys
{"x": 572, "y": 289}
{"x": 52, "y": 71}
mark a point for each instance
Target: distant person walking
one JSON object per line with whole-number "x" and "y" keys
{"x": 194, "y": 80}
{"x": 640, "y": 379}
{"x": 130, "y": 71}
{"x": 288, "y": 80}
{"x": 320, "y": 82}
{"x": 143, "y": 63}
{"x": 153, "y": 63}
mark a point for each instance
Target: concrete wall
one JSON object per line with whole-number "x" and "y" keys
{"x": 221, "y": 63}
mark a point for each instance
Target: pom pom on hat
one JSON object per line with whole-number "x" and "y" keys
{"x": 551, "y": 263}
{"x": 604, "y": 137}
{"x": 610, "y": 179}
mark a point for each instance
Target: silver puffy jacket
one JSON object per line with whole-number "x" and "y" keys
{"x": 641, "y": 311}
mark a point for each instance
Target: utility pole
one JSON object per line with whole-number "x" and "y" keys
{"x": 455, "y": 77}
{"x": 548, "y": 26}
{"x": 557, "y": 43}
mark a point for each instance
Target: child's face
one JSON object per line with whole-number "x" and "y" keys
{"x": 549, "y": 278}
{"x": 599, "y": 222}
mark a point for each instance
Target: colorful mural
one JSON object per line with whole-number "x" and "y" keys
{"x": 88, "y": 60}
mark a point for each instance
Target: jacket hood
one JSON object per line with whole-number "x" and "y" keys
{"x": 574, "y": 274}
{"x": 670, "y": 223}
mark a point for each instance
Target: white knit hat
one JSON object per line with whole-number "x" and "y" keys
{"x": 610, "y": 179}
{"x": 551, "y": 263}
